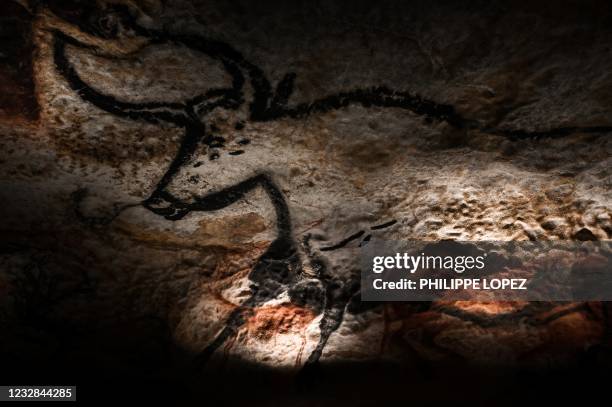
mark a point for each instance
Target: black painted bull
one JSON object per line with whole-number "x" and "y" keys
{"x": 250, "y": 97}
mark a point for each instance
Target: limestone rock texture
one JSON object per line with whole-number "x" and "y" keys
{"x": 177, "y": 178}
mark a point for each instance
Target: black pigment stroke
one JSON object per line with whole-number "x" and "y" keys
{"x": 384, "y": 225}
{"x": 280, "y": 267}
{"x": 525, "y": 315}
{"x": 343, "y": 242}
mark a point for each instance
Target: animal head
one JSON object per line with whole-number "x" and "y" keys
{"x": 110, "y": 27}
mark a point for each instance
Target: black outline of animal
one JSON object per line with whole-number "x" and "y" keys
{"x": 279, "y": 268}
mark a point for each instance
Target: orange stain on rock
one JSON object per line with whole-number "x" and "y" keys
{"x": 268, "y": 321}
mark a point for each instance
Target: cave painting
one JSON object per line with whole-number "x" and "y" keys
{"x": 251, "y": 98}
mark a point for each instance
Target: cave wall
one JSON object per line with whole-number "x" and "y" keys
{"x": 193, "y": 180}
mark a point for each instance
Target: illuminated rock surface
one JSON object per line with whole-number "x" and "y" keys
{"x": 488, "y": 122}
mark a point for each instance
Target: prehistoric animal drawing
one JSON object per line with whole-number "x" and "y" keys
{"x": 280, "y": 267}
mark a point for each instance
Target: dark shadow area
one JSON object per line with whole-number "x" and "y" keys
{"x": 108, "y": 379}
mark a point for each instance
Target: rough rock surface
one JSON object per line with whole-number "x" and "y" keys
{"x": 480, "y": 122}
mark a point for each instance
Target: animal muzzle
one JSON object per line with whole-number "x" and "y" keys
{"x": 165, "y": 204}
